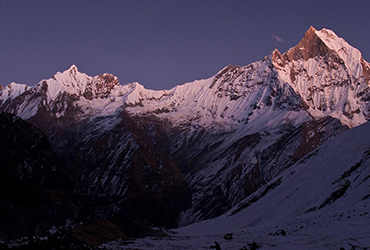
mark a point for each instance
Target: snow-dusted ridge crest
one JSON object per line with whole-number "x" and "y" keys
{"x": 323, "y": 75}
{"x": 205, "y": 146}
{"x": 326, "y": 74}
{"x": 330, "y": 75}
{"x": 321, "y": 202}
{"x": 12, "y": 90}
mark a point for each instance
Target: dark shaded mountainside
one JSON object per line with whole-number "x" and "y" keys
{"x": 121, "y": 158}
{"x": 39, "y": 196}
{"x": 34, "y": 181}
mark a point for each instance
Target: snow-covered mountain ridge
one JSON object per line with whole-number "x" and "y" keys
{"x": 214, "y": 141}
{"x": 325, "y": 72}
{"x": 13, "y": 90}
{"x": 322, "y": 75}
{"x": 321, "y": 202}
{"x": 330, "y": 75}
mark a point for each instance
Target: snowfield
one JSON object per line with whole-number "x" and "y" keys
{"x": 321, "y": 202}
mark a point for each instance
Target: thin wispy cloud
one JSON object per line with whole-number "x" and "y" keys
{"x": 277, "y": 38}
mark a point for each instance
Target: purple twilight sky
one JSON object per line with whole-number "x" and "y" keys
{"x": 162, "y": 43}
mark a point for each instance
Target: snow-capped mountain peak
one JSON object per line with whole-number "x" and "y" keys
{"x": 329, "y": 74}
{"x": 11, "y": 91}
{"x": 70, "y": 81}
{"x": 228, "y": 134}
{"x": 78, "y": 84}
{"x": 350, "y": 55}
{"x": 323, "y": 75}
{"x": 325, "y": 42}
{"x": 312, "y": 45}
{"x": 68, "y": 95}
{"x": 73, "y": 69}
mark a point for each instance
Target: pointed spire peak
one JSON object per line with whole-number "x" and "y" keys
{"x": 73, "y": 69}
{"x": 276, "y": 52}
{"x": 73, "y": 66}
{"x": 274, "y": 55}
{"x": 310, "y": 46}
{"x": 328, "y": 37}
{"x": 311, "y": 29}
{"x": 311, "y": 32}
{"x": 277, "y": 58}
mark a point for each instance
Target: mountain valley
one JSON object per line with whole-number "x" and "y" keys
{"x": 280, "y": 141}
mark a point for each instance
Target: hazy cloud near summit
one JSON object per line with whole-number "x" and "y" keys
{"x": 277, "y": 38}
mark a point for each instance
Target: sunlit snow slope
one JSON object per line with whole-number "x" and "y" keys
{"x": 223, "y": 137}
{"x": 321, "y": 202}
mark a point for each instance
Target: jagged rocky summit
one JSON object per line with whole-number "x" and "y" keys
{"x": 195, "y": 151}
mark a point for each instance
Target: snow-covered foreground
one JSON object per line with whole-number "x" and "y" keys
{"x": 321, "y": 202}
{"x": 322, "y": 232}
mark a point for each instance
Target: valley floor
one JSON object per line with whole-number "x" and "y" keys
{"x": 346, "y": 229}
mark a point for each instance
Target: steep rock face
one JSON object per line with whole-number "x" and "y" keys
{"x": 11, "y": 91}
{"x": 268, "y": 101}
{"x": 330, "y": 75}
{"x": 56, "y": 100}
{"x": 235, "y": 95}
{"x": 104, "y": 150}
{"x": 228, "y": 134}
{"x": 321, "y": 201}
{"x": 35, "y": 188}
{"x": 237, "y": 165}
{"x": 114, "y": 161}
